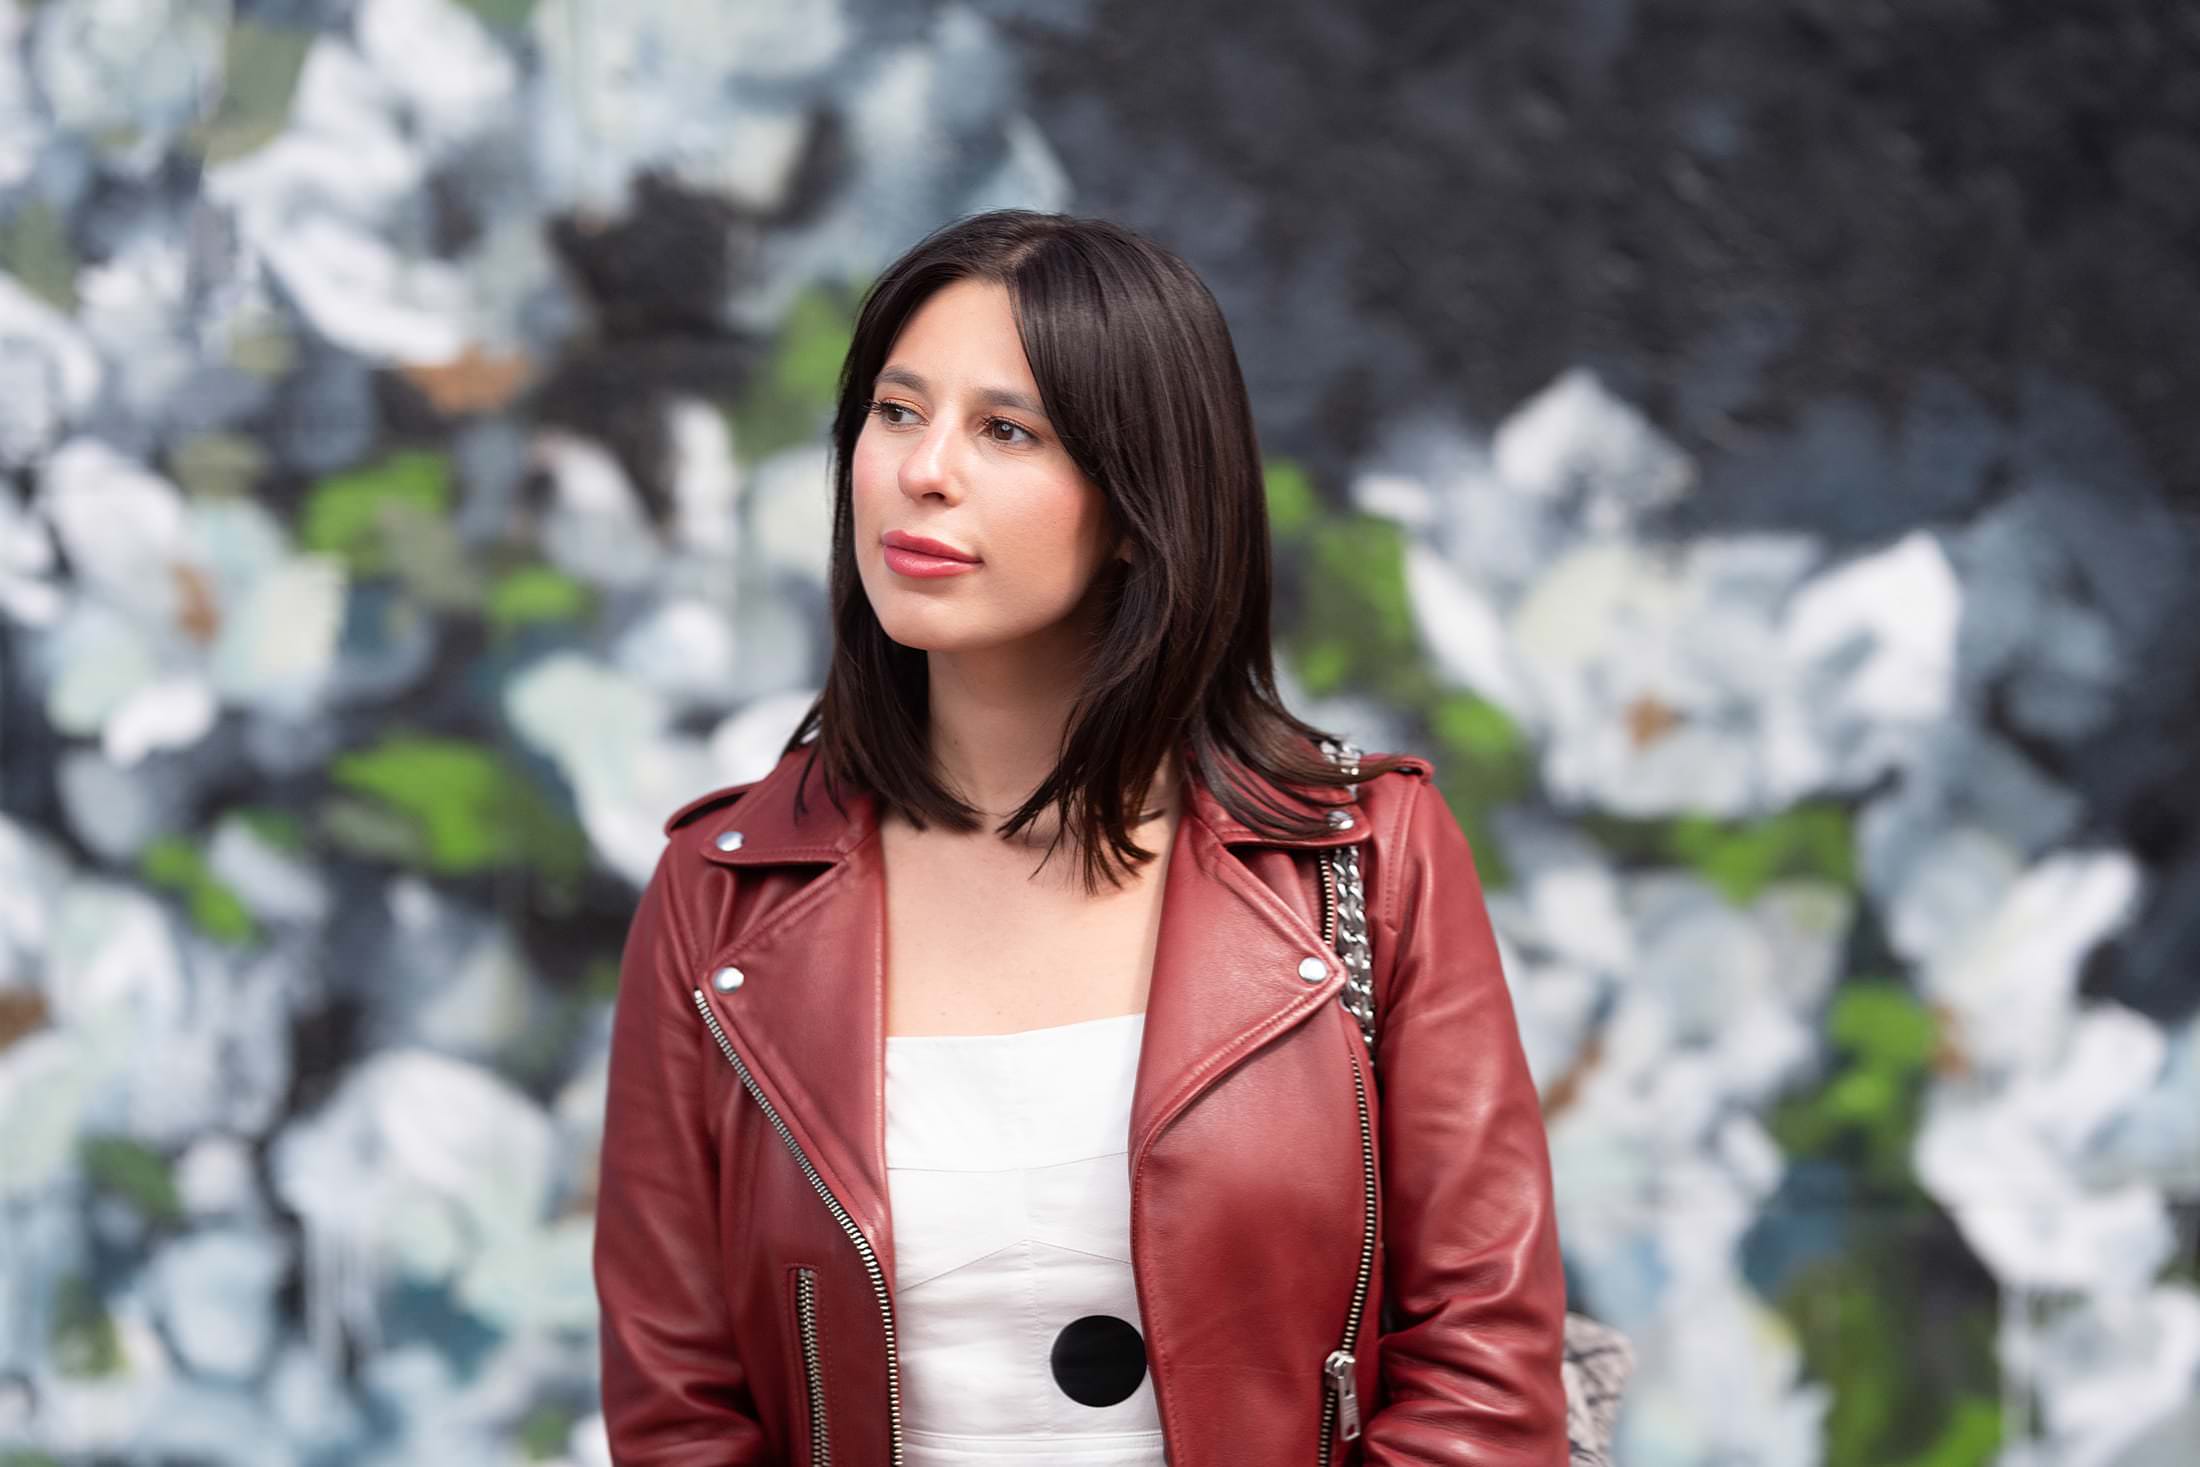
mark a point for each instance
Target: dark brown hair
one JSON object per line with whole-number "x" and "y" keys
{"x": 1136, "y": 369}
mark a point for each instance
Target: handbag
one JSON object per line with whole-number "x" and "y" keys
{"x": 1597, "y": 1358}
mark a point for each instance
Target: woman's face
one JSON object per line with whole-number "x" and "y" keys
{"x": 956, "y": 451}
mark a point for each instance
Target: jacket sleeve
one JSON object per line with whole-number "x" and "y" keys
{"x": 1471, "y": 1367}
{"x": 674, "y": 1390}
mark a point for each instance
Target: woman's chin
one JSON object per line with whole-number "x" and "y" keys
{"x": 935, "y": 634}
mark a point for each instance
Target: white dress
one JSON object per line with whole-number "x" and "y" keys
{"x": 1016, "y": 1318}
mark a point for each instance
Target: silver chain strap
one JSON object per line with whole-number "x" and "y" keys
{"x": 1598, "y": 1359}
{"x": 1358, "y": 993}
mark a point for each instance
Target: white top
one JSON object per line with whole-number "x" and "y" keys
{"x": 1016, "y": 1318}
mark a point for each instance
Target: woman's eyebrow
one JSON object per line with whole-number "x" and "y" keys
{"x": 990, "y": 396}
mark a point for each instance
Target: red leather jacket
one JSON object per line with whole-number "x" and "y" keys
{"x": 744, "y": 1251}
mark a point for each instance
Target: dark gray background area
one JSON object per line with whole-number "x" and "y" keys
{"x": 1732, "y": 211}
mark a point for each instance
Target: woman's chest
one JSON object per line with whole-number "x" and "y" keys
{"x": 980, "y": 945}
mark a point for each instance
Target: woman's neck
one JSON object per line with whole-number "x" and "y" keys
{"x": 997, "y": 720}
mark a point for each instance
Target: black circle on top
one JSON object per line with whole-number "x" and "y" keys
{"x": 1099, "y": 1360}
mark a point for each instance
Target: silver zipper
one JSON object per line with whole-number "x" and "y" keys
{"x": 813, "y": 1365}
{"x": 1343, "y": 1394}
{"x": 840, "y": 1215}
{"x": 1329, "y": 901}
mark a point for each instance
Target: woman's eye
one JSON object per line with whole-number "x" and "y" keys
{"x": 883, "y": 409}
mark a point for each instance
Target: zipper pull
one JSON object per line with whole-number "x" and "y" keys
{"x": 1339, "y": 1369}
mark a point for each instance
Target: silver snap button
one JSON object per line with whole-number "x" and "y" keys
{"x": 729, "y": 840}
{"x": 1313, "y": 970}
{"x": 1341, "y": 819}
{"x": 726, "y": 979}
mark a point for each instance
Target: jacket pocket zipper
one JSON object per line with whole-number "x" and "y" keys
{"x": 863, "y": 1247}
{"x": 1341, "y": 1403}
{"x": 813, "y": 1365}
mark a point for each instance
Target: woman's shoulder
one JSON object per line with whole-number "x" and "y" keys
{"x": 1412, "y": 825}
{"x": 702, "y": 804}
{"x": 1393, "y": 790}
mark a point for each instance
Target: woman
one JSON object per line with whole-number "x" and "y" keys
{"x": 925, "y": 1147}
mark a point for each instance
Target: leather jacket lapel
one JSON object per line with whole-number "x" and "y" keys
{"x": 1227, "y": 976}
{"x": 809, "y": 1014}
{"x": 1235, "y": 965}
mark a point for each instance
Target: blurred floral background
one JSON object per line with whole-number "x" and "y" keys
{"x": 1748, "y": 449}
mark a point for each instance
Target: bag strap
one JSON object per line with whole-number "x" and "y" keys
{"x": 1345, "y": 897}
{"x": 1597, "y": 1358}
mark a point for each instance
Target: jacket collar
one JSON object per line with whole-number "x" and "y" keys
{"x": 764, "y": 827}
{"x": 1235, "y": 964}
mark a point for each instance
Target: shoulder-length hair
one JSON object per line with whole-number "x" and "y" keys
{"x": 1136, "y": 370}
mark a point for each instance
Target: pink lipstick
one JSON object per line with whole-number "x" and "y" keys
{"x": 917, "y": 555}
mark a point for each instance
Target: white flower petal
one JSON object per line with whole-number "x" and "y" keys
{"x": 362, "y": 294}
{"x": 790, "y": 512}
{"x": 607, "y": 734}
{"x": 2011, "y": 982}
{"x": 277, "y": 644}
{"x": 120, "y": 524}
{"x": 1576, "y": 438}
{"x": 453, "y": 78}
{"x": 2022, "y": 1209}
{"x": 1465, "y": 635}
{"x": 684, "y": 650}
{"x": 170, "y": 713}
{"x": 97, "y": 659}
{"x": 49, "y": 371}
{"x": 2110, "y": 1367}
{"x": 659, "y": 83}
{"x": 706, "y": 480}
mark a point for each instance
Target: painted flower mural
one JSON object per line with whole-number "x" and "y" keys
{"x": 411, "y": 414}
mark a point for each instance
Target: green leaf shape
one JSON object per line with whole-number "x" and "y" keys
{"x": 1907, "y": 1392}
{"x": 535, "y": 594}
{"x": 543, "y": 1432}
{"x": 505, "y": 15}
{"x": 83, "y": 1339}
{"x": 1471, "y": 727}
{"x": 460, "y": 808}
{"x": 792, "y": 399}
{"x": 260, "y": 69}
{"x": 1970, "y": 1438}
{"x": 1811, "y": 840}
{"x": 422, "y": 546}
{"x": 1741, "y": 858}
{"x": 1866, "y": 1113}
{"x": 281, "y": 829}
{"x": 346, "y": 514}
{"x": 1292, "y": 503}
{"x": 175, "y": 864}
{"x": 1884, "y": 1025}
{"x": 1484, "y": 763}
{"x": 1357, "y": 625}
{"x": 134, "y": 1172}
{"x": 600, "y": 979}
{"x": 35, "y": 249}
{"x": 1353, "y": 629}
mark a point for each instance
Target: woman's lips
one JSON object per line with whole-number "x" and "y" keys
{"x": 912, "y": 563}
